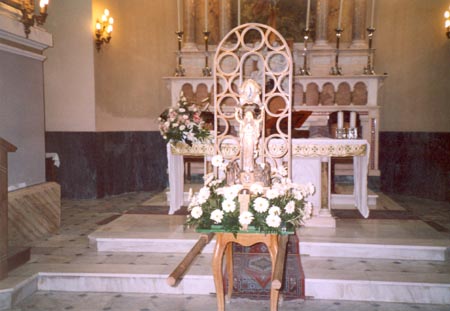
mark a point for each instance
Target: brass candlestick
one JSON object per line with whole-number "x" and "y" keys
{"x": 337, "y": 70}
{"x": 369, "y": 70}
{"x": 206, "y": 70}
{"x": 304, "y": 71}
{"x": 179, "y": 71}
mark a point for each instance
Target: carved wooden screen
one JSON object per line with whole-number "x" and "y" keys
{"x": 257, "y": 52}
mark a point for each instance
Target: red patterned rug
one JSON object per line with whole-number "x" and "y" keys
{"x": 253, "y": 269}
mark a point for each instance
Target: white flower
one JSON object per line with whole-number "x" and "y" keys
{"x": 272, "y": 193}
{"x": 261, "y": 205}
{"x": 181, "y": 110}
{"x": 208, "y": 178}
{"x": 196, "y": 212}
{"x": 228, "y": 206}
{"x": 182, "y": 127}
{"x": 308, "y": 210}
{"x": 290, "y": 207}
{"x": 297, "y": 194}
{"x": 203, "y": 195}
{"x": 231, "y": 192}
{"x": 282, "y": 171}
{"x": 217, "y": 216}
{"x": 311, "y": 188}
{"x": 246, "y": 218}
{"x": 274, "y": 210}
{"x": 217, "y": 160}
{"x": 273, "y": 221}
{"x": 256, "y": 189}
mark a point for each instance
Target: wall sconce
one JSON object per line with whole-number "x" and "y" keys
{"x": 103, "y": 29}
{"x": 29, "y": 18}
{"x": 447, "y": 21}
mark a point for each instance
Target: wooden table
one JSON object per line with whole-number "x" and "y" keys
{"x": 276, "y": 245}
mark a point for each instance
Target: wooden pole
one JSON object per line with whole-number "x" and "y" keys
{"x": 189, "y": 258}
{"x": 277, "y": 279}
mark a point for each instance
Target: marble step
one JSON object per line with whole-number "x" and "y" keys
{"x": 313, "y": 248}
{"x": 325, "y": 278}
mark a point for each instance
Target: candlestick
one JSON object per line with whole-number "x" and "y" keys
{"x": 239, "y": 13}
{"x": 307, "y": 14}
{"x": 352, "y": 119}
{"x": 206, "y": 70}
{"x": 304, "y": 71}
{"x": 337, "y": 70}
{"x": 372, "y": 14}
{"x": 179, "y": 15}
{"x": 369, "y": 70}
{"x": 206, "y": 15}
{"x": 341, "y": 3}
{"x": 179, "y": 70}
{"x": 340, "y": 121}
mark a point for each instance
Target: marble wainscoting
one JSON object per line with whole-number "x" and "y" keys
{"x": 416, "y": 163}
{"x": 99, "y": 164}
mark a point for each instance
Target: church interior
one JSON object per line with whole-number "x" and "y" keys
{"x": 94, "y": 197}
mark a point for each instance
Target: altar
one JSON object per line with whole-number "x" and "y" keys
{"x": 310, "y": 163}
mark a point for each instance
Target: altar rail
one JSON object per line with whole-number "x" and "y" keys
{"x": 320, "y": 94}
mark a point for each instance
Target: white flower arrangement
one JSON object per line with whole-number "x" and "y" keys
{"x": 279, "y": 208}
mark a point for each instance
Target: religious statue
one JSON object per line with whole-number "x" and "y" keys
{"x": 249, "y": 132}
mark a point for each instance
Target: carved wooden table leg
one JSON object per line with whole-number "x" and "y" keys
{"x": 229, "y": 263}
{"x": 217, "y": 270}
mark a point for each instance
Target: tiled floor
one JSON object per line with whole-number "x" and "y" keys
{"x": 79, "y": 218}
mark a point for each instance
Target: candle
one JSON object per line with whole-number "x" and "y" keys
{"x": 352, "y": 119}
{"x": 307, "y": 14}
{"x": 372, "y": 14}
{"x": 179, "y": 14}
{"x": 206, "y": 15}
{"x": 340, "y": 14}
{"x": 239, "y": 13}
{"x": 340, "y": 120}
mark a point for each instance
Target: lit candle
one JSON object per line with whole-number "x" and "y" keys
{"x": 179, "y": 15}
{"x": 372, "y": 14}
{"x": 206, "y": 15}
{"x": 239, "y": 13}
{"x": 307, "y": 14}
{"x": 352, "y": 119}
{"x": 340, "y": 14}
{"x": 340, "y": 120}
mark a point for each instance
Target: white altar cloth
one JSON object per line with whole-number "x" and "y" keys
{"x": 301, "y": 148}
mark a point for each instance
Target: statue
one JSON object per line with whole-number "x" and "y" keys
{"x": 249, "y": 132}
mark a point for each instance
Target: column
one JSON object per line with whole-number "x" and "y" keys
{"x": 359, "y": 25}
{"x": 322, "y": 24}
{"x": 225, "y": 18}
{"x": 5, "y": 147}
{"x": 189, "y": 25}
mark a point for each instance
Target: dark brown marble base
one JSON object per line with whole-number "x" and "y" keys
{"x": 99, "y": 164}
{"x": 18, "y": 256}
{"x": 415, "y": 163}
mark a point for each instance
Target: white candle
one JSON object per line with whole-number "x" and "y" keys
{"x": 340, "y": 14}
{"x": 206, "y": 15}
{"x": 340, "y": 120}
{"x": 372, "y": 14}
{"x": 239, "y": 13}
{"x": 352, "y": 119}
{"x": 179, "y": 14}
{"x": 307, "y": 14}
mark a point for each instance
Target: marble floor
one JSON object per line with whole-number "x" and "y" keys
{"x": 70, "y": 250}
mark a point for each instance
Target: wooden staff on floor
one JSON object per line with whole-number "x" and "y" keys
{"x": 176, "y": 274}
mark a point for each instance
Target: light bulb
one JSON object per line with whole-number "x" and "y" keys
{"x": 106, "y": 12}
{"x": 447, "y": 23}
{"x": 447, "y": 14}
{"x": 104, "y": 18}
{"x": 42, "y": 3}
{"x": 98, "y": 26}
{"x": 109, "y": 29}
{"x": 111, "y": 20}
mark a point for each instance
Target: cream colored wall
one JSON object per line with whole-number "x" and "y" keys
{"x": 413, "y": 49}
{"x": 130, "y": 92}
{"x": 69, "y": 69}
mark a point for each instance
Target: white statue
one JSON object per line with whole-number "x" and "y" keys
{"x": 249, "y": 132}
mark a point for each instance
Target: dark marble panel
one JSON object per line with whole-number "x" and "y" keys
{"x": 98, "y": 164}
{"x": 415, "y": 163}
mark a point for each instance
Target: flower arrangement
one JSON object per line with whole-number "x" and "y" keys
{"x": 182, "y": 123}
{"x": 277, "y": 209}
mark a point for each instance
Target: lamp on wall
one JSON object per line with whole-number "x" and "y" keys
{"x": 103, "y": 29}
{"x": 29, "y": 18}
{"x": 447, "y": 22}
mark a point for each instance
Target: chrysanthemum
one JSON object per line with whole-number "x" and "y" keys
{"x": 196, "y": 212}
{"x": 229, "y": 206}
{"x": 203, "y": 195}
{"x": 261, "y": 205}
{"x": 274, "y": 210}
{"x": 273, "y": 221}
{"x": 246, "y": 218}
{"x": 217, "y": 216}
{"x": 290, "y": 207}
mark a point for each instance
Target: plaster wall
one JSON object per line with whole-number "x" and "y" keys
{"x": 413, "y": 49}
{"x": 22, "y": 117}
{"x": 69, "y": 69}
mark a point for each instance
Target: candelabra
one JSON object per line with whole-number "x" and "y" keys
{"x": 304, "y": 71}
{"x": 206, "y": 70}
{"x": 179, "y": 71}
{"x": 336, "y": 70}
{"x": 369, "y": 69}
{"x": 29, "y": 18}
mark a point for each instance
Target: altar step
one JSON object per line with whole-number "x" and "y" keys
{"x": 325, "y": 278}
